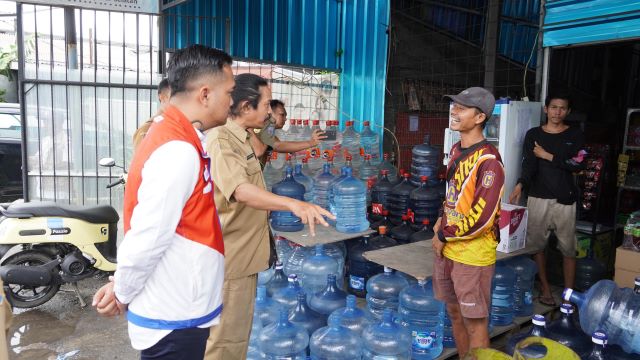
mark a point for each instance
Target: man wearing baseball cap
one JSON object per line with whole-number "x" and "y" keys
{"x": 466, "y": 233}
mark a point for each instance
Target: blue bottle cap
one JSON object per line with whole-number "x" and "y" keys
{"x": 539, "y": 320}
{"x": 599, "y": 337}
{"x": 566, "y": 308}
{"x": 293, "y": 277}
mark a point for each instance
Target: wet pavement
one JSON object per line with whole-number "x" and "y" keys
{"x": 62, "y": 330}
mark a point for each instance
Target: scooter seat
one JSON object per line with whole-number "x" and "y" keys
{"x": 101, "y": 214}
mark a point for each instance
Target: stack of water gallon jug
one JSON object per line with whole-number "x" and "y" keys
{"x": 301, "y": 309}
{"x": 349, "y": 178}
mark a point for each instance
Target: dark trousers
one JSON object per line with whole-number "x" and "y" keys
{"x": 183, "y": 344}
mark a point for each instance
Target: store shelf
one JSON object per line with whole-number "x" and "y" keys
{"x": 634, "y": 148}
{"x": 628, "y": 187}
{"x": 324, "y": 235}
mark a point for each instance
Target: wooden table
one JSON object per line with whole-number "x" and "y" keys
{"x": 324, "y": 235}
{"x": 416, "y": 259}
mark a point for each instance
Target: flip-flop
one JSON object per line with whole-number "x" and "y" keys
{"x": 547, "y": 300}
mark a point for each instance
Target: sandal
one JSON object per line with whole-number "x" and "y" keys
{"x": 547, "y": 300}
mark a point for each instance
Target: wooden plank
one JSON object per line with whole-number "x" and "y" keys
{"x": 416, "y": 259}
{"x": 324, "y": 235}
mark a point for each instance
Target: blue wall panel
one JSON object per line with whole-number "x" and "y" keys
{"x": 340, "y": 35}
{"x": 585, "y": 21}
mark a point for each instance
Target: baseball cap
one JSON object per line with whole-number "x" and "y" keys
{"x": 477, "y": 97}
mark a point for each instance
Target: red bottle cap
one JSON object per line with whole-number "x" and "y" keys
{"x": 382, "y": 230}
{"x": 424, "y": 178}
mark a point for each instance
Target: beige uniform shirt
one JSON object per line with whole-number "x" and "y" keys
{"x": 245, "y": 230}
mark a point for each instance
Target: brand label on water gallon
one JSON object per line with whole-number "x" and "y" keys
{"x": 356, "y": 282}
{"x": 422, "y": 340}
{"x": 528, "y": 298}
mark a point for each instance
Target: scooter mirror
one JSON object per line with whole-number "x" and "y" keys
{"x": 107, "y": 162}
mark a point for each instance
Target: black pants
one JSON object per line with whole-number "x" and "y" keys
{"x": 184, "y": 344}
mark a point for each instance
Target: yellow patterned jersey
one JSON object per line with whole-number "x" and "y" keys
{"x": 475, "y": 182}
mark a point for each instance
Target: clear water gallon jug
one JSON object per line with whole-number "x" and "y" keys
{"x": 329, "y": 299}
{"x": 351, "y": 205}
{"x": 284, "y": 340}
{"x": 315, "y": 270}
{"x": 383, "y": 291}
{"x": 286, "y": 220}
{"x": 306, "y": 317}
{"x": 351, "y": 316}
{"x": 335, "y": 342}
{"x": 386, "y": 340}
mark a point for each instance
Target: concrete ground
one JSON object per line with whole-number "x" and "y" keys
{"x": 62, "y": 330}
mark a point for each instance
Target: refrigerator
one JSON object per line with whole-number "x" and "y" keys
{"x": 505, "y": 129}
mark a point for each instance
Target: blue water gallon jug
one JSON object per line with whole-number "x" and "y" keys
{"x": 360, "y": 269}
{"x": 525, "y": 270}
{"x": 286, "y": 220}
{"x": 386, "y": 340}
{"x": 315, "y": 270}
{"x": 399, "y": 200}
{"x": 392, "y": 171}
{"x": 335, "y": 342}
{"x": 370, "y": 143}
{"x": 502, "y": 295}
{"x": 351, "y": 316}
{"x": 306, "y": 181}
{"x": 538, "y": 329}
{"x": 422, "y": 315}
{"x": 288, "y": 297}
{"x": 425, "y": 232}
{"x": 253, "y": 351}
{"x": 266, "y": 275}
{"x": 448, "y": 341}
{"x": 402, "y": 232}
{"x": 284, "y": 248}
{"x": 383, "y": 291}
{"x": 329, "y": 299}
{"x": 425, "y": 202}
{"x": 265, "y": 307}
{"x": 368, "y": 170}
{"x": 611, "y": 309}
{"x": 321, "y": 187}
{"x": 588, "y": 272}
{"x": 284, "y": 340}
{"x": 567, "y": 332}
{"x": 351, "y": 205}
{"x": 306, "y": 317}
{"x": 351, "y": 146}
{"x": 425, "y": 160}
{"x": 296, "y": 259}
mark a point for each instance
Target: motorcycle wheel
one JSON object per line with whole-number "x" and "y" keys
{"x": 23, "y": 296}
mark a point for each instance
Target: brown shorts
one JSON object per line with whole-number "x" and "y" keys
{"x": 466, "y": 285}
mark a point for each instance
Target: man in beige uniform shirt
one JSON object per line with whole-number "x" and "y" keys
{"x": 243, "y": 205}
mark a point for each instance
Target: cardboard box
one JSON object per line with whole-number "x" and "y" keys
{"x": 627, "y": 267}
{"x": 513, "y": 228}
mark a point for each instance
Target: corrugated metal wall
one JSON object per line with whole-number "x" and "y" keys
{"x": 587, "y": 21}
{"x": 340, "y": 35}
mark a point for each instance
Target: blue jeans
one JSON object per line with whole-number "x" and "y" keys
{"x": 183, "y": 344}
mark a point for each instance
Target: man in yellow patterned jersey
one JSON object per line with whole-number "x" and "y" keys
{"x": 466, "y": 233}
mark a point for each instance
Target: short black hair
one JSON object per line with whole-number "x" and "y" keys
{"x": 190, "y": 63}
{"x": 275, "y": 103}
{"x": 163, "y": 85}
{"x": 558, "y": 95}
{"x": 247, "y": 89}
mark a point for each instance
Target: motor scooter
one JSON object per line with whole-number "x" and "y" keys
{"x": 50, "y": 244}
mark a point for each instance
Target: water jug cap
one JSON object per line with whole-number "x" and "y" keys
{"x": 306, "y": 122}
{"x": 384, "y": 172}
{"x": 637, "y": 281}
{"x": 292, "y": 278}
{"x": 406, "y": 175}
{"x": 299, "y": 121}
{"x": 538, "y": 320}
{"x": 566, "y": 308}
{"x": 388, "y": 269}
{"x": 366, "y": 123}
{"x": 279, "y": 265}
{"x": 385, "y": 156}
{"x": 599, "y": 337}
{"x": 305, "y": 160}
{"x": 425, "y": 222}
{"x": 424, "y": 178}
{"x": 405, "y": 218}
{"x": 316, "y": 122}
{"x": 382, "y": 229}
{"x": 566, "y": 294}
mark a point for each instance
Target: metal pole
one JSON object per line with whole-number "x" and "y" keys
{"x": 539, "y": 63}
{"x": 70, "y": 37}
{"x": 545, "y": 73}
{"x": 491, "y": 44}
{"x": 23, "y": 106}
